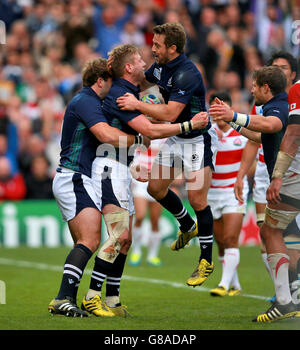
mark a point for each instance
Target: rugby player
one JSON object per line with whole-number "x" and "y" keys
{"x": 193, "y": 152}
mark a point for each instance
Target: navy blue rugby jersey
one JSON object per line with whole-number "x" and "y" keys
{"x": 277, "y": 107}
{"x": 118, "y": 118}
{"x": 78, "y": 143}
{"x": 179, "y": 80}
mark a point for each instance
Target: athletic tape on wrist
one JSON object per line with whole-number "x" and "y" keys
{"x": 138, "y": 139}
{"x": 235, "y": 126}
{"x": 241, "y": 119}
{"x": 282, "y": 164}
{"x": 186, "y": 126}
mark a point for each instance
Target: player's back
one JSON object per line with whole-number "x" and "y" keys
{"x": 78, "y": 144}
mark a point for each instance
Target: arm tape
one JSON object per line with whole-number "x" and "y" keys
{"x": 294, "y": 119}
{"x": 241, "y": 119}
{"x": 138, "y": 139}
{"x": 238, "y": 128}
{"x": 282, "y": 164}
{"x": 186, "y": 126}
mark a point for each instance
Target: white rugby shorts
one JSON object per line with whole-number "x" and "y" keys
{"x": 261, "y": 184}
{"x": 189, "y": 154}
{"x": 73, "y": 192}
{"x": 223, "y": 201}
{"x": 139, "y": 189}
{"x": 112, "y": 183}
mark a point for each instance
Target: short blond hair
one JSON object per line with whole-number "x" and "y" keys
{"x": 93, "y": 70}
{"x": 122, "y": 55}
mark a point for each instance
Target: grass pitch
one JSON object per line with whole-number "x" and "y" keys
{"x": 157, "y": 298}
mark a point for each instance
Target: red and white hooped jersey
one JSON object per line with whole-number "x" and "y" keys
{"x": 294, "y": 110}
{"x": 228, "y": 159}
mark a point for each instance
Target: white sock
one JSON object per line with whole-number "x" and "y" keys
{"x": 230, "y": 264}
{"x": 112, "y": 301}
{"x": 265, "y": 260}
{"x": 235, "y": 281}
{"x": 279, "y": 265}
{"x": 91, "y": 293}
{"x": 137, "y": 238}
{"x": 154, "y": 244}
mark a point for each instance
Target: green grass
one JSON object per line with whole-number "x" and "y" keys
{"x": 157, "y": 298}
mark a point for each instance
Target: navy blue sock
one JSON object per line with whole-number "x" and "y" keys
{"x": 73, "y": 270}
{"x": 205, "y": 232}
{"x": 174, "y": 205}
{"x": 114, "y": 277}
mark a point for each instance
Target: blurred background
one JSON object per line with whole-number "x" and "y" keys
{"x": 47, "y": 43}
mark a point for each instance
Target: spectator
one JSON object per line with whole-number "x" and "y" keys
{"x": 38, "y": 181}
{"x": 12, "y": 187}
{"x": 109, "y": 22}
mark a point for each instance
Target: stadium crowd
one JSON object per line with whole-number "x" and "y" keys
{"x": 47, "y": 43}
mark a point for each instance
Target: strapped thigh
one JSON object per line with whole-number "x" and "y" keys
{"x": 117, "y": 224}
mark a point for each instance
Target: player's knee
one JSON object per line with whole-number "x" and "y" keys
{"x": 155, "y": 191}
{"x": 91, "y": 243}
{"x": 197, "y": 202}
{"x": 230, "y": 242}
{"x": 278, "y": 219}
{"x": 126, "y": 243}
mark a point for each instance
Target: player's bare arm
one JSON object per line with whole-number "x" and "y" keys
{"x": 265, "y": 124}
{"x": 248, "y": 157}
{"x": 164, "y": 112}
{"x": 108, "y": 134}
{"x": 157, "y": 131}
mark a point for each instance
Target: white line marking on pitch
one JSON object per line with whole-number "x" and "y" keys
{"x": 56, "y": 268}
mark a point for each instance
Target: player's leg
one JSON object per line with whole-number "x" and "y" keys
{"x": 278, "y": 216}
{"x": 232, "y": 224}
{"x": 158, "y": 188}
{"x": 76, "y": 199}
{"x": 155, "y": 236}
{"x": 141, "y": 206}
{"x": 110, "y": 262}
{"x": 291, "y": 237}
{"x": 118, "y": 209}
{"x": 198, "y": 186}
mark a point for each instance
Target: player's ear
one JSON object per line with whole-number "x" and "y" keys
{"x": 128, "y": 68}
{"x": 99, "y": 82}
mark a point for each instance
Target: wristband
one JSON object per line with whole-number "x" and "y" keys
{"x": 186, "y": 126}
{"x": 282, "y": 164}
{"x": 238, "y": 128}
{"x": 138, "y": 139}
{"x": 241, "y": 119}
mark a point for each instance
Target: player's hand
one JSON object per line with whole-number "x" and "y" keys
{"x": 109, "y": 63}
{"x": 127, "y": 102}
{"x": 139, "y": 172}
{"x": 238, "y": 190}
{"x": 273, "y": 191}
{"x": 220, "y": 111}
{"x": 200, "y": 120}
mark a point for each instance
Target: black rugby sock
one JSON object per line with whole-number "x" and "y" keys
{"x": 205, "y": 233}
{"x": 174, "y": 205}
{"x": 73, "y": 270}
